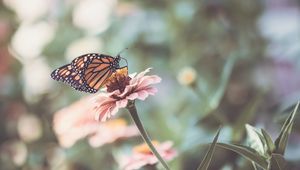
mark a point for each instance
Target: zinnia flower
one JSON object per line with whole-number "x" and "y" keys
{"x": 142, "y": 155}
{"x": 121, "y": 89}
{"x": 77, "y": 122}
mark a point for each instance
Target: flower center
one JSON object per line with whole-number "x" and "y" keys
{"x": 116, "y": 123}
{"x": 118, "y": 80}
{"x": 144, "y": 148}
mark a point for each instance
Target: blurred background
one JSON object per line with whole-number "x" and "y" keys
{"x": 222, "y": 62}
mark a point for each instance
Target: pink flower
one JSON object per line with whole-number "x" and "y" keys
{"x": 121, "y": 88}
{"x": 142, "y": 155}
{"x": 77, "y": 121}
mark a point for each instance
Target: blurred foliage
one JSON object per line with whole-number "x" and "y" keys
{"x": 246, "y": 72}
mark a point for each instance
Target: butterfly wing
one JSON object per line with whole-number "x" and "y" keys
{"x": 68, "y": 75}
{"x": 86, "y": 73}
{"x": 97, "y": 72}
{"x": 80, "y": 63}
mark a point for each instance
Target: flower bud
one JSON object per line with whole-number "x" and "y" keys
{"x": 187, "y": 76}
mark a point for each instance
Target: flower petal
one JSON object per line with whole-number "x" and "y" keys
{"x": 142, "y": 95}
{"x": 132, "y": 96}
{"x": 139, "y": 159}
{"x": 113, "y": 110}
{"x": 122, "y": 103}
{"x": 139, "y": 76}
{"x": 151, "y": 90}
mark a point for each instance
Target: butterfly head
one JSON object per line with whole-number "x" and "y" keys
{"x": 117, "y": 61}
{"x": 118, "y": 58}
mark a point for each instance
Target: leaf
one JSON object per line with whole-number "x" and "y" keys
{"x": 286, "y": 129}
{"x": 246, "y": 152}
{"x": 269, "y": 142}
{"x": 246, "y": 116}
{"x": 256, "y": 140}
{"x": 226, "y": 72}
{"x": 207, "y": 158}
{"x": 277, "y": 162}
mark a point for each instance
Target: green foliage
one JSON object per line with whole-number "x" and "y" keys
{"x": 277, "y": 162}
{"x": 256, "y": 140}
{"x": 209, "y": 154}
{"x": 247, "y": 152}
{"x": 269, "y": 143}
{"x": 285, "y": 132}
{"x": 262, "y": 150}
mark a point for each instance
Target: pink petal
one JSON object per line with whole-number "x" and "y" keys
{"x": 104, "y": 111}
{"x": 122, "y": 103}
{"x": 132, "y": 96}
{"x": 137, "y": 159}
{"x": 139, "y": 76}
{"x": 113, "y": 111}
{"x": 142, "y": 95}
{"x": 76, "y": 118}
{"x": 131, "y": 131}
{"x": 148, "y": 80}
{"x": 134, "y": 164}
{"x": 151, "y": 90}
{"x": 106, "y": 134}
{"x": 132, "y": 75}
{"x": 127, "y": 90}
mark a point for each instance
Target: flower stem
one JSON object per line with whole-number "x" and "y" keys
{"x": 134, "y": 115}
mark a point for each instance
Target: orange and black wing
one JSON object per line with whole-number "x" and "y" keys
{"x": 86, "y": 73}
{"x": 98, "y": 70}
{"x": 68, "y": 75}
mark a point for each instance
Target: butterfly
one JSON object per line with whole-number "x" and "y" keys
{"x": 88, "y": 72}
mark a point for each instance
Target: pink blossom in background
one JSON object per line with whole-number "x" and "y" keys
{"x": 111, "y": 131}
{"x": 122, "y": 88}
{"x": 142, "y": 155}
{"x": 77, "y": 121}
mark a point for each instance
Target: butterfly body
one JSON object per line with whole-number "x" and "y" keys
{"x": 88, "y": 72}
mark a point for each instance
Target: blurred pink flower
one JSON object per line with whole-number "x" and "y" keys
{"x": 77, "y": 121}
{"x": 121, "y": 88}
{"x": 142, "y": 155}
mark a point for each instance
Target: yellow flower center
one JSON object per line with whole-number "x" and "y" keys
{"x": 144, "y": 148}
{"x": 116, "y": 123}
{"x": 118, "y": 80}
{"x": 118, "y": 72}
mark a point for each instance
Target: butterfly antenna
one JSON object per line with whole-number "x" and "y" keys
{"x": 122, "y": 57}
{"x": 122, "y": 51}
{"x": 125, "y": 61}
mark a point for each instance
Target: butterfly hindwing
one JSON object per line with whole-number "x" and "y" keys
{"x": 68, "y": 75}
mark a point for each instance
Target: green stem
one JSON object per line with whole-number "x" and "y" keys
{"x": 134, "y": 115}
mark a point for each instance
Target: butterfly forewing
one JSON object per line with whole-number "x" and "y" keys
{"x": 86, "y": 73}
{"x": 97, "y": 71}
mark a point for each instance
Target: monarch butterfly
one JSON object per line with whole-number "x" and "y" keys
{"x": 88, "y": 72}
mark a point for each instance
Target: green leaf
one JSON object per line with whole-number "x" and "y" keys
{"x": 277, "y": 162}
{"x": 208, "y": 156}
{"x": 286, "y": 129}
{"x": 256, "y": 140}
{"x": 269, "y": 142}
{"x": 226, "y": 72}
{"x": 246, "y": 152}
{"x": 246, "y": 116}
